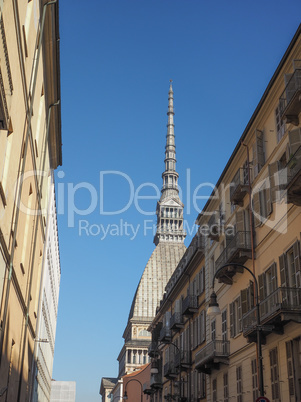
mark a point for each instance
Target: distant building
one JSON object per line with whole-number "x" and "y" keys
{"x": 248, "y": 251}
{"x": 106, "y": 387}
{"x": 63, "y": 391}
{"x": 169, "y": 241}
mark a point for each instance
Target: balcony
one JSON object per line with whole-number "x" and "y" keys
{"x": 147, "y": 389}
{"x": 183, "y": 360}
{"x": 290, "y": 179}
{"x": 212, "y": 355}
{"x": 190, "y": 305}
{"x": 169, "y": 370}
{"x": 176, "y": 322}
{"x": 237, "y": 251}
{"x": 290, "y": 100}
{"x": 214, "y": 227}
{"x": 276, "y": 310}
{"x": 156, "y": 381}
{"x": 239, "y": 187}
{"x": 153, "y": 349}
{"x": 165, "y": 334}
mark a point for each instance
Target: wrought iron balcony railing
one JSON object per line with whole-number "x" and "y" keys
{"x": 165, "y": 334}
{"x": 239, "y": 187}
{"x": 190, "y": 305}
{"x": 290, "y": 106}
{"x": 290, "y": 179}
{"x": 280, "y": 307}
{"x": 238, "y": 251}
{"x": 211, "y": 355}
{"x": 169, "y": 370}
{"x": 176, "y": 321}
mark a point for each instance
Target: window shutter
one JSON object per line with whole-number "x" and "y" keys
{"x": 283, "y": 270}
{"x": 244, "y": 301}
{"x": 290, "y": 368}
{"x": 240, "y": 222}
{"x": 239, "y": 314}
{"x": 177, "y": 306}
{"x": 231, "y": 320}
{"x": 296, "y": 248}
{"x": 197, "y": 284}
{"x": 268, "y": 201}
{"x": 274, "y": 276}
{"x": 294, "y": 138}
{"x": 261, "y": 286}
{"x": 258, "y": 152}
{"x": 274, "y": 182}
{"x": 256, "y": 208}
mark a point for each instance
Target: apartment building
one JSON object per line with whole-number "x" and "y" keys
{"x": 244, "y": 263}
{"x": 30, "y": 148}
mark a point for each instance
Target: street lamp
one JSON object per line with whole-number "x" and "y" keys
{"x": 214, "y": 309}
{"x": 125, "y": 395}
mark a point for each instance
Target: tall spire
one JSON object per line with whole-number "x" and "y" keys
{"x": 170, "y": 208}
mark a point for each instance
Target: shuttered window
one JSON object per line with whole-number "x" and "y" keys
{"x": 239, "y": 383}
{"x": 280, "y": 125}
{"x": 254, "y": 379}
{"x": 274, "y": 374}
{"x": 258, "y": 153}
{"x": 226, "y": 388}
{"x": 235, "y": 317}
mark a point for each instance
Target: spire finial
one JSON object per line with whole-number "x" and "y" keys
{"x": 170, "y": 207}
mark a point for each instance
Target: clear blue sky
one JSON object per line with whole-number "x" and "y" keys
{"x": 117, "y": 57}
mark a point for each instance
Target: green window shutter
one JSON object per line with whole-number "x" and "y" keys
{"x": 274, "y": 276}
{"x": 296, "y": 248}
{"x": 239, "y": 314}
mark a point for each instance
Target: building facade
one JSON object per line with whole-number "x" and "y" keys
{"x": 30, "y": 148}
{"x": 63, "y": 391}
{"x": 48, "y": 307}
{"x": 245, "y": 262}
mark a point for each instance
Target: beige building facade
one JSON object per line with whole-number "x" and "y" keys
{"x": 245, "y": 258}
{"x": 30, "y": 148}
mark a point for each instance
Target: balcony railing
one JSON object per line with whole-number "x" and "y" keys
{"x": 280, "y": 307}
{"x": 190, "y": 305}
{"x": 156, "y": 381}
{"x": 214, "y": 226}
{"x": 290, "y": 179}
{"x": 165, "y": 334}
{"x": 169, "y": 370}
{"x": 237, "y": 251}
{"x": 147, "y": 388}
{"x": 210, "y": 356}
{"x": 153, "y": 349}
{"x": 239, "y": 187}
{"x": 290, "y": 105}
{"x": 183, "y": 359}
{"x": 176, "y": 321}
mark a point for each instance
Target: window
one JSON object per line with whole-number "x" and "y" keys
{"x": 267, "y": 286}
{"x": 226, "y": 389}
{"x": 202, "y": 326}
{"x": 214, "y": 390}
{"x": 201, "y": 385}
{"x": 254, "y": 379}
{"x": 262, "y": 203}
{"x": 274, "y": 374}
{"x": 235, "y": 317}
{"x": 290, "y": 269}
{"x": 239, "y": 383}
{"x": 258, "y": 153}
{"x": 280, "y": 125}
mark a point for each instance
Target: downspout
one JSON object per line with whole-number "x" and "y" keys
{"x": 28, "y": 132}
